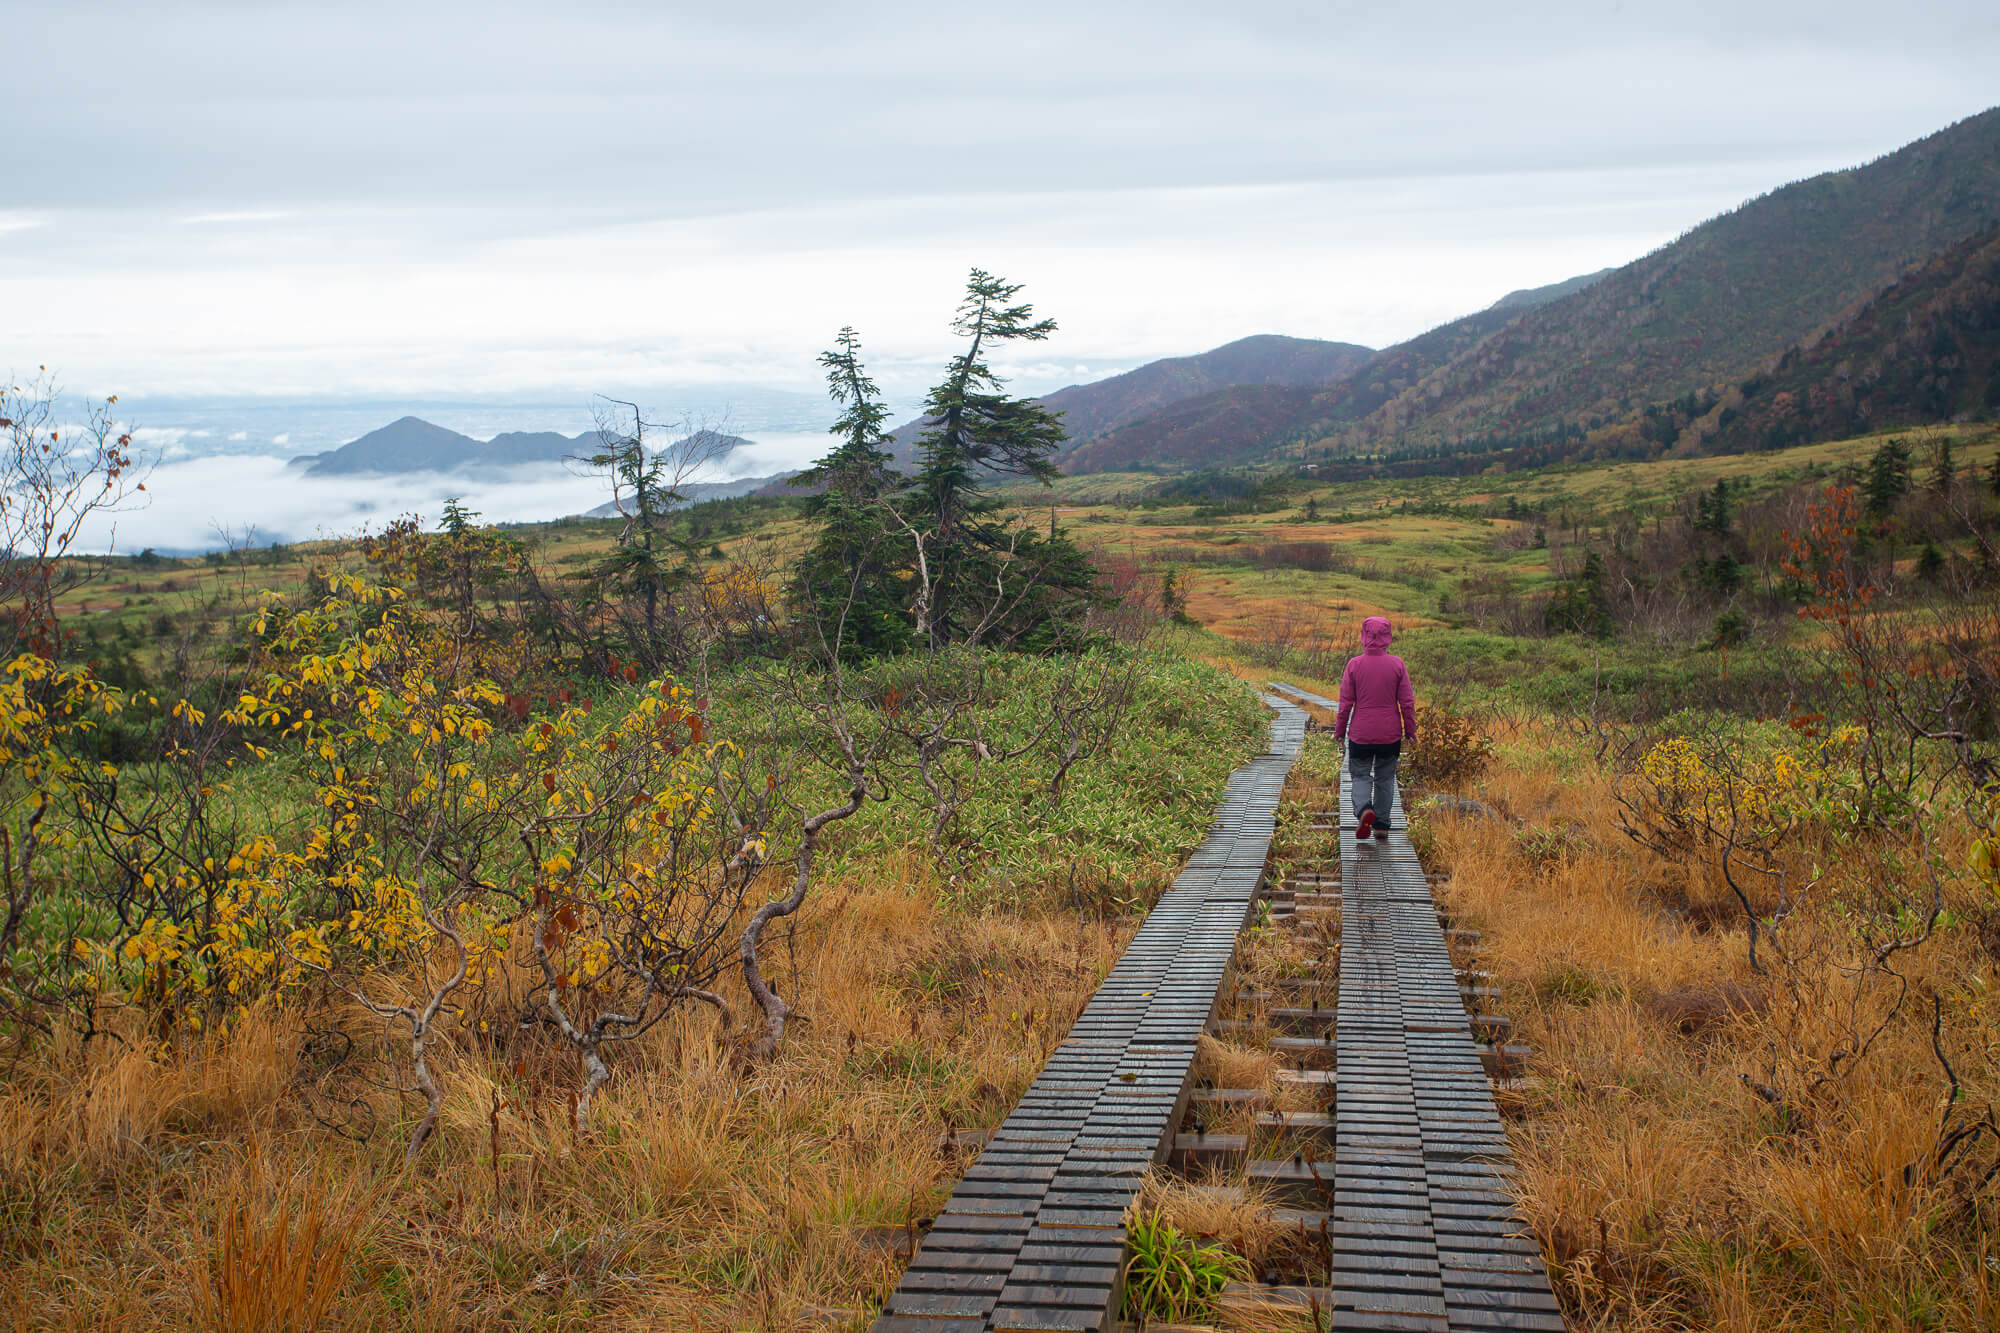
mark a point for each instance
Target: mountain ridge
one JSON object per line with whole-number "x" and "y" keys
{"x": 1588, "y": 364}
{"x": 1235, "y": 426}
{"x": 411, "y": 444}
{"x": 1099, "y": 407}
{"x": 1708, "y": 307}
{"x": 1925, "y": 349}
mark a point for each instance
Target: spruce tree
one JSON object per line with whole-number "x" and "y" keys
{"x": 1888, "y": 477}
{"x": 1944, "y": 470}
{"x": 854, "y": 583}
{"x": 1579, "y": 602}
{"x": 1712, "y": 508}
{"x": 1016, "y": 585}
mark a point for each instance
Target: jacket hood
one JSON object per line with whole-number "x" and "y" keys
{"x": 1375, "y": 635}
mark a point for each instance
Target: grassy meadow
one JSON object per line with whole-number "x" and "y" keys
{"x": 1747, "y": 923}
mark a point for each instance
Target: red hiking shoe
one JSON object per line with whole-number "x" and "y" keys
{"x": 1366, "y": 826}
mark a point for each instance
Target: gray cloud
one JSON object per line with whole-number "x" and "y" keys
{"x": 608, "y": 108}
{"x": 236, "y": 197}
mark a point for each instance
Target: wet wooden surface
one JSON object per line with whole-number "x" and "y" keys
{"x": 1034, "y": 1235}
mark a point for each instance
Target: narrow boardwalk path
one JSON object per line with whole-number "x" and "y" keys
{"x": 1424, "y": 1235}
{"x": 1033, "y": 1238}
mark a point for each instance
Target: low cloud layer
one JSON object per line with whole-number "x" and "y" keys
{"x": 204, "y": 504}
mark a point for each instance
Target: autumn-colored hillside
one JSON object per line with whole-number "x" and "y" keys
{"x": 1711, "y": 306}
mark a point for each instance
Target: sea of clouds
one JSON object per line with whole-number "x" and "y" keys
{"x": 208, "y": 502}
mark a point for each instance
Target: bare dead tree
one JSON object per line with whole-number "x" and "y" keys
{"x": 648, "y": 481}
{"x": 776, "y": 1010}
{"x": 54, "y": 478}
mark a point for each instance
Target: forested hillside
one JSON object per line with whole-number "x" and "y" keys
{"x": 1709, "y": 308}
{"x": 1926, "y": 350}
{"x": 1622, "y": 363}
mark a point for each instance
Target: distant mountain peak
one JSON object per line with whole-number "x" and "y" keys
{"x": 1571, "y": 369}
{"x": 411, "y": 444}
{"x": 1094, "y": 410}
{"x": 1528, "y": 297}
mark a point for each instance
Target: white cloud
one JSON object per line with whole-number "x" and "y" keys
{"x": 285, "y": 438}
{"x": 247, "y": 215}
{"x": 166, "y": 442}
{"x": 189, "y": 503}
{"x": 194, "y": 502}
{"x": 238, "y": 436}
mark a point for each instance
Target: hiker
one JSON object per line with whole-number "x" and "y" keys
{"x": 1378, "y": 712}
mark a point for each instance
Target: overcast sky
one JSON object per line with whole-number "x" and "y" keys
{"x": 481, "y": 198}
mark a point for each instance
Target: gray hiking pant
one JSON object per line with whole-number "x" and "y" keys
{"x": 1372, "y": 769}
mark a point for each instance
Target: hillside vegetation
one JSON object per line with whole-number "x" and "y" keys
{"x": 613, "y": 924}
{"x": 1708, "y": 308}
{"x": 1925, "y": 350}
{"x": 1658, "y": 353}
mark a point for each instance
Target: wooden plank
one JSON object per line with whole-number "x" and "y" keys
{"x": 1420, "y": 1204}
{"x": 1071, "y": 1156}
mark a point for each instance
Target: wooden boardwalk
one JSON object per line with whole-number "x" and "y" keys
{"x": 1033, "y": 1238}
{"x": 1424, "y": 1234}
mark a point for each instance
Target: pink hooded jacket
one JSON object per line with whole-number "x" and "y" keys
{"x": 1374, "y": 690}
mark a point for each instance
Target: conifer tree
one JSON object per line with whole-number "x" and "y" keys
{"x": 854, "y": 582}
{"x": 1888, "y": 477}
{"x": 1712, "y": 508}
{"x": 979, "y": 576}
{"x": 1944, "y": 470}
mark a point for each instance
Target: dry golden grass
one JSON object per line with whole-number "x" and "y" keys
{"x": 1666, "y": 1193}
{"x": 1226, "y": 1215}
{"x": 203, "y": 1188}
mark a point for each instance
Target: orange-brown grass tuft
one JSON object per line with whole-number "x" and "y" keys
{"x": 1667, "y": 1191}
{"x": 280, "y": 1260}
{"x": 1237, "y": 1219}
{"x": 221, "y": 1185}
